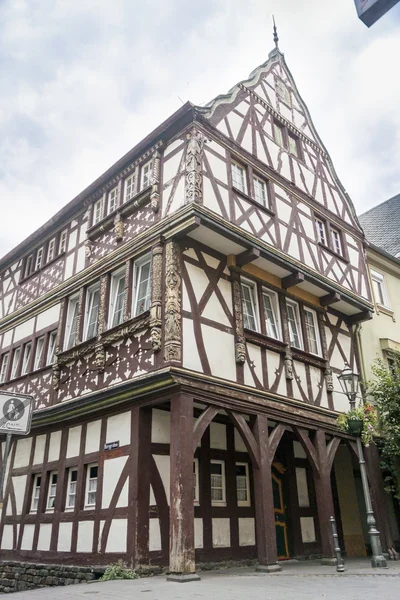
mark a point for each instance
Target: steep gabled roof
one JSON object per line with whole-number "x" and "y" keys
{"x": 381, "y": 225}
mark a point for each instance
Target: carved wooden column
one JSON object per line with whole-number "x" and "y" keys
{"x": 155, "y": 190}
{"x": 194, "y": 167}
{"x": 156, "y": 296}
{"x": 328, "y": 370}
{"x": 240, "y": 342}
{"x": 288, "y": 359}
{"x": 264, "y": 501}
{"x": 182, "y": 554}
{"x": 100, "y": 353}
{"x": 57, "y": 349}
{"x": 173, "y": 303}
{"x": 138, "y": 512}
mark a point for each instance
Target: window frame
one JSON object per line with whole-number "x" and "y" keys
{"x": 39, "y": 259}
{"x": 254, "y": 302}
{"x": 49, "y": 494}
{"x": 307, "y": 309}
{"x": 260, "y": 180}
{"x": 221, "y": 502}
{"x": 69, "y": 506}
{"x": 15, "y": 363}
{"x": 26, "y": 358}
{"x": 51, "y": 250}
{"x": 35, "y": 487}
{"x": 144, "y": 174}
{"x": 379, "y": 278}
{"x": 37, "y": 361}
{"x": 333, "y": 231}
{"x": 113, "y": 296}
{"x": 320, "y": 226}
{"x": 4, "y": 366}
{"x": 248, "y": 501}
{"x": 277, "y": 126}
{"x": 196, "y": 488}
{"x": 62, "y": 244}
{"x": 88, "y": 479}
{"x": 28, "y": 265}
{"x": 114, "y": 198}
{"x": 295, "y": 306}
{"x": 71, "y": 321}
{"x": 137, "y": 270}
{"x": 90, "y": 292}
{"x": 98, "y": 217}
{"x": 51, "y": 348}
{"x": 274, "y": 300}
{"x": 133, "y": 186}
{"x": 243, "y": 170}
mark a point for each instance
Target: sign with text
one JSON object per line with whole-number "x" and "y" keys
{"x": 111, "y": 445}
{"x": 370, "y": 11}
{"x": 15, "y": 413}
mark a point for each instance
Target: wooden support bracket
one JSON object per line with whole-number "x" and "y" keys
{"x": 246, "y": 257}
{"x": 292, "y": 279}
{"x": 330, "y": 299}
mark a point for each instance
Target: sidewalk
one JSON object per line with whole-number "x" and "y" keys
{"x": 297, "y": 581}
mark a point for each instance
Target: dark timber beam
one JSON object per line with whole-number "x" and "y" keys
{"x": 330, "y": 299}
{"x": 292, "y": 279}
{"x": 365, "y": 315}
{"x": 246, "y": 257}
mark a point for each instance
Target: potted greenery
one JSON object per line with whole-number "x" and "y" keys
{"x": 360, "y": 421}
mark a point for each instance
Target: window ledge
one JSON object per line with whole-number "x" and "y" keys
{"x": 126, "y": 209}
{"x": 253, "y": 201}
{"x": 304, "y": 356}
{"x": 328, "y": 249}
{"x": 264, "y": 340}
{"x": 381, "y": 308}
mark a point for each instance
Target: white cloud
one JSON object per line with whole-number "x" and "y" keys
{"x": 83, "y": 82}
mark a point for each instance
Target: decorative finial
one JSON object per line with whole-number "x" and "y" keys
{"x": 276, "y": 39}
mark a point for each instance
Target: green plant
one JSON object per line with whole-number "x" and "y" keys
{"x": 365, "y": 413}
{"x": 118, "y": 570}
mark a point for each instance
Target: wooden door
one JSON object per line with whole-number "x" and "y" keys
{"x": 278, "y": 472}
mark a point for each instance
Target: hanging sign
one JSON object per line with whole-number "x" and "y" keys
{"x": 15, "y": 413}
{"x": 370, "y": 11}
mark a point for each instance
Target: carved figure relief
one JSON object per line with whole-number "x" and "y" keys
{"x": 100, "y": 357}
{"x": 156, "y": 297}
{"x": 194, "y": 165}
{"x": 88, "y": 248}
{"x": 288, "y": 360}
{"x": 155, "y": 190}
{"x": 240, "y": 344}
{"x": 118, "y": 228}
{"x": 173, "y": 317}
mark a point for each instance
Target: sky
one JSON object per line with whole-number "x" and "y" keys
{"x": 83, "y": 81}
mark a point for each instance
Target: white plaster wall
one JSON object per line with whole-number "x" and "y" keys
{"x": 215, "y": 312}
{"x": 247, "y": 535}
{"x": 48, "y": 317}
{"x": 44, "y": 537}
{"x": 119, "y": 429}
{"x": 64, "y": 537}
{"x": 154, "y": 535}
{"x": 7, "y": 337}
{"x": 307, "y": 529}
{"x": 300, "y": 372}
{"x": 163, "y": 467}
{"x": 24, "y": 330}
{"x": 69, "y": 266}
{"x": 255, "y": 359}
{"x": 239, "y": 443}
{"x": 116, "y": 541}
{"x": 19, "y": 484}
{"x": 27, "y": 537}
{"x": 172, "y": 146}
{"x": 218, "y": 436}
{"x": 298, "y": 450}
{"x": 191, "y": 358}
{"x": 112, "y": 471}
{"x": 74, "y": 440}
{"x": 72, "y": 239}
{"x": 92, "y": 437}
{"x": 221, "y": 533}
{"x": 198, "y": 533}
{"x": 85, "y": 536}
{"x": 80, "y": 260}
{"x": 160, "y": 426}
{"x": 54, "y": 446}
{"x": 218, "y": 167}
{"x": 7, "y": 541}
{"x": 23, "y": 452}
{"x": 220, "y": 351}
{"x": 302, "y": 487}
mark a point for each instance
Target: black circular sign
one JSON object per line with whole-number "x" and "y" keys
{"x": 13, "y": 409}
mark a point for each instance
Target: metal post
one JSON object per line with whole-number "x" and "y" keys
{"x": 339, "y": 559}
{"x": 377, "y": 560}
{"x": 4, "y": 467}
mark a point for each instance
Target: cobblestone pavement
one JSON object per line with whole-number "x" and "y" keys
{"x": 296, "y": 582}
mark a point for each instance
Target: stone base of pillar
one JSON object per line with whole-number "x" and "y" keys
{"x": 183, "y": 577}
{"x": 379, "y": 561}
{"x": 329, "y": 562}
{"x": 268, "y": 568}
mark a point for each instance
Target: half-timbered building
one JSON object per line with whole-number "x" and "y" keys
{"x": 181, "y": 325}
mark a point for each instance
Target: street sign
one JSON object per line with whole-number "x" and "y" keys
{"x": 15, "y": 413}
{"x": 369, "y": 11}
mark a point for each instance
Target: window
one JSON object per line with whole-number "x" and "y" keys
{"x": 91, "y": 485}
{"x": 4, "y": 365}
{"x": 196, "y": 480}
{"x": 321, "y": 231}
{"x": 112, "y": 200}
{"x": 51, "y": 348}
{"x": 238, "y": 177}
{"x": 62, "y": 246}
{"x": 313, "y": 339}
{"x": 15, "y": 363}
{"x": 39, "y": 259}
{"x": 282, "y": 92}
{"x": 92, "y": 311}
{"x": 130, "y": 187}
{"x": 218, "y": 494}
{"x": 38, "y": 353}
{"x": 242, "y": 484}
{"x": 271, "y": 315}
{"x": 98, "y": 211}
{"x": 260, "y": 191}
{"x": 142, "y": 278}
{"x": 279, "y": 134}
{"x": 294, "y": 325}
{"x": 293, "y": 144}
{"x": 36, "y": 492}
{"x": 117, "y": 292}
{"x": 50, "y": 249}
{"x": 249, "y": 306}
{"x": 71, "y": 334}
{"x": 28, "y": 265}
{"x": 379, "y": 287}
{"x": 51, "y": 497}
{"x": 27, "y": 355}
{"x": 71, "y": 488}
{"x": 147, "y": 171}
{"x": 336, "y": 241}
